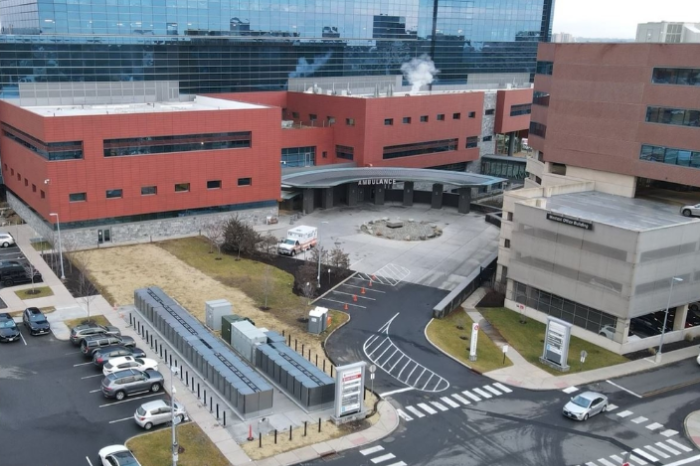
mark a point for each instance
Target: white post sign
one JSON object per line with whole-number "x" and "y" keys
{"x": 472, "y": 344}
{"x": 349, "y": 389}
{"x": 556, "y": 343}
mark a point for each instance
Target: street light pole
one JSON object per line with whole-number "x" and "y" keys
{"x": 320, "y": 251}
{"x": 60, "y": 244}
{"x": 657, "y": 357}
{"x": 173, "y": 372}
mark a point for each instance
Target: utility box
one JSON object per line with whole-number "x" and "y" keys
{"x": 226, "y": 322}
{"x": 245, "y": 337}
{"x": 318, "y": 320}
{"x": 214, "y": 310}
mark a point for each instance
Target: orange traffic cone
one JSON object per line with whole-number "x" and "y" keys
{"x": 346, "y": 306}
{"x": 370, "y": 283}
{"x": 374, "y": 277}
{"x": 362, "y": 290}
{"x": 354, "y": 297}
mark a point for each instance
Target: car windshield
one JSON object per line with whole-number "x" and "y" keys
{"x": 581, "y": 401}
{"x": 7, "y": 324}
{"x": 141, "y": 411}
{"x": 125, "y": 458}
{"x": 289, "y": 241}
{"x": 37, "y": 317}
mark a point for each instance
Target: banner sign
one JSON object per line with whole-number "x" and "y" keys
{"x": 574, "y": 222}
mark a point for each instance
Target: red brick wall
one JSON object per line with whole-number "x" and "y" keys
{"x": 319, "y": 137}
{"x": 505, "y": 99}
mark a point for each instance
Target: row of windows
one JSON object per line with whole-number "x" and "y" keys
{"x": 345, "y": 152}
{"x": 472, "y": 141}
{"x": 153, "y": 190}
{"x": 540, "y": 98}
{"x": 26, "y": 181}
{"x": 520, "y": 109}
{"x": 669, "y": 155}
{"x": 538, "y": 129}
{"x": 425, "y": 118}
{"x": 680, "y": 76}
{"x": 673, "y": 116}
{"x": 544, "y": 67}
{"x": 179, "y": 143}
{"x": 299, "y": 156}
{"x": 419, "y": 148}
{"x": 68, "y": 150}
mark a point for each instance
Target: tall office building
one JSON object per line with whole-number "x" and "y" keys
{"x": 237, "y": 45}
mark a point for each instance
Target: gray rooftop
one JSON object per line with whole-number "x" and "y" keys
{"x": 336, "y": 176}
{"x": 636, "y": 214}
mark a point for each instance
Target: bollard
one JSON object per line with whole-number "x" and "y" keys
{"x": 331, "y": 370}
{"x": 290, "y": 433}
{"x": 302, "y": 349}
{"x": 171, "y": 360}
{"x": 205, "y": 397}
{"x": 224, "y": 418}
{"x": 250, "y": 430}
{"x": 181, "y": 372}
{"x": 324, "y": 365}
{"x": 198, "y": 397}
{"x": 211, "y": 405}
{"x": 364, "y": 394}
{"x": 289, "y": 340}
{"x": 147, "y": 337}
{"x": 160, "y": 350}
{"x": 282, "y": 332}
{"x": 295, "y": 344}
{"x": 317, "y": 360}
{"x": 187, "y": 378}
{"x": 275, "y": 436}
{"x": 259, "y": 439}
{"x": 319, "y": 424}
{"x": 131, "y": 320}
{"x": 138, "y": 326}
{"x": 309, "y": 355}
{"x": 193, "y": 384}
{"x": 305, "y": 428}
{"x": 217, "y": 410}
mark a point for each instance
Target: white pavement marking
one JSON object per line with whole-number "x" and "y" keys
{"x": 482, "y": 393}
{"x": 492, "y": 390}
{"x": 500, "y": 386}
{"x": 669, "y": 433}
{"x": 471, "y": 395}
{"x": 646, "y": 455}
{"x": 355, "y": 294}
{"x": 23, "y": 340}
{"x": 449, "y": 402}
{"x": 426, "y": 408}
{"x": 656, "y": 451}
{"x": 679, "y": 445}
{"x": 415, "y": 411}
{"x": 591, "y": 463}
{"x": 460, "y": 399}
{"x": 625, "y": 413}
{"x": 369, "y": 451}
{"x": 88, "y": 460}
{"x": 655, "y": 426}
{"x": 672, "y": 451}
{"x": 381, "y": 459}
{"x": 571, "y": 389}
{"x": 617, "y": 459}
{"x": 605, "y": 462}
{"x": 82, "y": 364}
{"x": 612, "y": 407}
{"x": 394, "y": 392}
{"x": 396, "y": 363}
{"x": 378, "y": 346}
{"x": 95, "y": 391}
{"x": 624, "y": 389}
{"x": 367, "y": 288}
{"x": 439, "y": 406}
{"x": 91, "y": 376}
{"x": 121, "y": 420}
{"x": 403, "y": 415}
{"x": 344, "y": 302}
{"x": 637, "y": 460}
{"x": 685, "y": 461}
{"x": 432, "y": 374}
{"x": 129, "y": 400}
{"x": 400, "y": 463}
{"x": 639, "y": 420}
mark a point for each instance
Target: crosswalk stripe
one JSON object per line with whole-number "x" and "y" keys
{"x": 492, "y": 390}
{"x": 591, "y": 463}
{"x": 439, "y": 406}
{"x": 426, "y": 408}
{"x": 403, "y": 415}
{"x": 400, "y": 463}
{"x": 669, "y": 433}
{"x": 372, "y": 450}
{"x": 500, "y": 386}
{"x": 571, "y": 389}
{"x": 679, "y": 445}
{"x": 646, "y": 455}
{"x": 381, "y": 459}
{"x": 625, "y": 413}
{"x": 611, "y": 407}
{"x": 637, "y": 460}
{"x": 471, "y": 395}
{"x": 461, "y": 399}
{"x": 415, "y": 411}
{"x": 616, "y": 458}
{"x": 639, "y": 420}
{"x": 605, "y": 462}
{"x": 655, "y": 426}
{"x": 672, "y": 451}
{"x": 656, "y": 451}
{"x": 482, "y": 393}
{"x": 449, "y": 402}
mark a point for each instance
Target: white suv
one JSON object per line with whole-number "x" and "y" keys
{"x": 6, "y": 239}
{"x": 691, "y": 210}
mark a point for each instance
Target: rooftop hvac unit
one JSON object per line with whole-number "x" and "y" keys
{"x": 216, "y": 309}
{"x": 287, "y": 123}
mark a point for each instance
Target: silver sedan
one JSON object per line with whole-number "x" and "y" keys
{"x": 585, "y": 405}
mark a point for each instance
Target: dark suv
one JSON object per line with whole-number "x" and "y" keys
{"x": 15, "y": 273}
{"x": 35, "y": 321}
{"x": 8, "y": 328}
{"x": 81, "y": 331}
{"x": 101, "y": 356}
{"x": 131, "y": 381}
{"x": 92, "y": 343}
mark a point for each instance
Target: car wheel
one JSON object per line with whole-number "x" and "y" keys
{"x": 605, "y": 409}
{"x": 182, "y": 418}
{"x": 694, "y": 307}
{"x": 155, "y": 387}
{"x": 585, "y": 417}
{"x": 294, "y": 253}
{"x": 8, "y": 282}
{"x": 119, "y": 396}
{"x": 148, "y": 426}
{"x": 5, "y": 244}
{"x": 686, "y": 213}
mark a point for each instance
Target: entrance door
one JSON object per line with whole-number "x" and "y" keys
{"x": 103, "y": 236}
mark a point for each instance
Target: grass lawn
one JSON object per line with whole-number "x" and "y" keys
{"x": 528, "y": 340}
{"x": 41, "y": 292}
{"x": 42, "y": 246}
{"x": 154, "y": 449}
{"x": 100, "y": 319}
{"x": 445, "y": 334}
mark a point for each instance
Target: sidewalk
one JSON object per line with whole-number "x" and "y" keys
{"x": 692, "y": 427}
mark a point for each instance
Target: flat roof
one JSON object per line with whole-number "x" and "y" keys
{"x": 636, "y": 214}
{"x": 199, "y": 103}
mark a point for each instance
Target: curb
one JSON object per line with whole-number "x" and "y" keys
{"x": 425, "y": 333}
{"x": 685, "y": 428}
{"x": 332, "y": 289}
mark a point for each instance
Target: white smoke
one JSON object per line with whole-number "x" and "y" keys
{"x": 304, "y": 68}
{"x": 419, "y": 72}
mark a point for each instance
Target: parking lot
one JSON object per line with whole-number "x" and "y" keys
{"x": 12, "y": 253}
{"x": 52, "y": 412}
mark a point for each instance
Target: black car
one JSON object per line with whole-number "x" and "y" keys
{"x": 92, "y": 343}
{"x": 101, "y": 356}
{"x": 16, "y": 273}
{"x": 77, "y": 334}
{"x": 8, "y": 329}
{"x": 35, "y": 321}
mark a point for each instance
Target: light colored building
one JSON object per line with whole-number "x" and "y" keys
{"x": 562, "y": 37}
{"x": 667, "y": 32}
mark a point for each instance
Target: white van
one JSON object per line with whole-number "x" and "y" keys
{"x": 299, "y": 239}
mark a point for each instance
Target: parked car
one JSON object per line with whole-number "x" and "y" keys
{"x": 130, "y": 382}
{"x": 8, "y": 329}
{"x": 158, "y": 412}
{"x": 92, "y": 343}
{"x": 585, "y": 405}
{"x": 117, "y": 455}
{"x": 35, "y": 321}
{"x": 6, "y": 239}
{"x": 16, "y": 273}
{"x": 691, "y": 210}
{"x": 101, "y": 356}
{"x": 128, "y": 362}
{"x": 81, "y": 331}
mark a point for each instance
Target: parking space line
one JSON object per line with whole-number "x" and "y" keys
{"x": 128, "y": 400}
{"x": 354, "y": 295}
{"x": 82, "y": 364}
{"x": 95, "y": 391}
{"x": 121, "y": 420}
{"x": 397, "y": 362}
{"x": 367, "y": 288}
{"x": 343, "y": 302}
{"x": 415, "y": 366}
{"x": 91, "y": 376}
{"x": 402, "y": 369}
{"x": 22, "y": 337}
{"x": 88, "y": 460}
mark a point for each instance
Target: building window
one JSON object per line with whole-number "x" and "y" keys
{"x": 544, "y": 67}
{"x": 245, "y": 181}
{"x": 43, "y": 194}
{"x": 388, "y": 121}
{"x": 679, "y": 76}
{"x": 68, "y": 150}
{"x": 520, "y": 109}
{"x": 538, "y": 129}
{"x": 489, "y": 111}
{"x": 424, "y": 119}
{"x": 182, "y": 188}
{"x": 324, "y": 154}
{"x": 472, "y": 114}
{"x": 406, "y": 120}
{"x": 441, "y": 117}
{"x": 457, "y": 116}
{"x": 295, "y": 115}
{"x": 77, "y": 197}
{"x": 510, "y": 216}
{"x": 113, "y": 193}
{"x": 472, "y": 141}
{"x": 26, "y": 182}
{"x": 182, "y": 143}
{"x": 487, "y": 138}
{"x": 19, "y": 176}
{"x": 540, "y": 98}
{"x": 330, "y": 120}
{"x": 670, "y": 155}
{"x": 673, "y": 116}
{"x": 419, "y": 148}
{"x": 299, "y": 156}
{"x": 506, "y": 243}
{"x": 345, "y": 152}
{"x": 149, "y": 190}
{"x": 313, "y": 117}
{"x": 12, "y": 171}
{"x": 214, "y": 184}
{"x": 33, "y": 188}
{"x": 350, "y": 121}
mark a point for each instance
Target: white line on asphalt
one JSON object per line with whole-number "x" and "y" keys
{"x": 637, "y": 460}
{"x": 121, "y": 420}
{"x": 646, "y": 455}
{"x": 387, "y": 349}
{"x": 23, "y": 340}
{"x": 591, "y": 463}
{"x": 611, "y": 407}
{"x": 439, "y": 406}
{"x": 82, "y": 364}
{"x": 400, "y": 463}
{"x": 129, "y": 400}
{"x": 492, "y": 390}
{"x": 571, "y": 389}
{"x": 617, "y": 459}
{"x": 685, "y": 461}
{"x": 426, "y": 408}
{"x": 88, "y": 460}
{"x": 625, "y": 413}
{"x": 655, "y": 426}
{"x": 449, "y": 402}
{"x": 420, "y": 375}
{"x": 639, "y": 420}
{"x": 388, "y": 359}
{"x": 672, "y": 451}
{"x": 656, "y": 451}
{"x": 403, "y": 415}
{"x": 415, "y": 366}
{"x": 426, "y": 382}
{"x": 415, "y": 411}
{"x": 471, "y": 395}
{"x": 404, "y": 367}
{"x": 378, "y": 346}
{"x": 679, "y": 445}
{"x": 381, "y": 459}
{"x": 396, "y": 363}
{"x": 367, "y": 288}
{"x": 669, "y": 433}
{"x": 369, "y": 451}
{"x": 394, "y": 392}
{"x": 460, "y": 399}
{"x": 95, "y": 391}
{"x": 623, "y": 388}
{"x": 91, "y": 376}
{"x": 503, "y": 387}
{"x": 343, "y": 302}
{"x": 605, "y": 462}
{"x": 482, "y": 393}
{"x": 355, "y": 294}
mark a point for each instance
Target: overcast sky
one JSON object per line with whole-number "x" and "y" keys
{"x": 618, "y": 18}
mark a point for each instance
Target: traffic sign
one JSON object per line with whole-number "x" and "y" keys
{"x": 372, "y": 369}
{"x": 583, "y": 356}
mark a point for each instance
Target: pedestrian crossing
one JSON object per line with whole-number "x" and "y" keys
{"x": 654, "y": 453}
{"x": 378, "y": 455}
{"x": 455, "y": 400}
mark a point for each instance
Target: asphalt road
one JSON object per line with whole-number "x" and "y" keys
{"x": 51, "y": 410}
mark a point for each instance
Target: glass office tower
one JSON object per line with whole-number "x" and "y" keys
{"x": 246, "y": 45}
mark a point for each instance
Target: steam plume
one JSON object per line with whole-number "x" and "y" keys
{"x": 419, "y": 72}
{"x": 304, "y": 68}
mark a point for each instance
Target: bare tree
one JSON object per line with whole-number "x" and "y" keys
{"x": 84, "y": 287}
{"x": 306, "y": 280}
{"x": 268, "y": 244}
{"x": 69, "y": 247}
{"x": 240, "y": 237}
{"x": 214, "y": 230}
{"x": 267, "y": 285}
{"x": 338, "y": 257}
